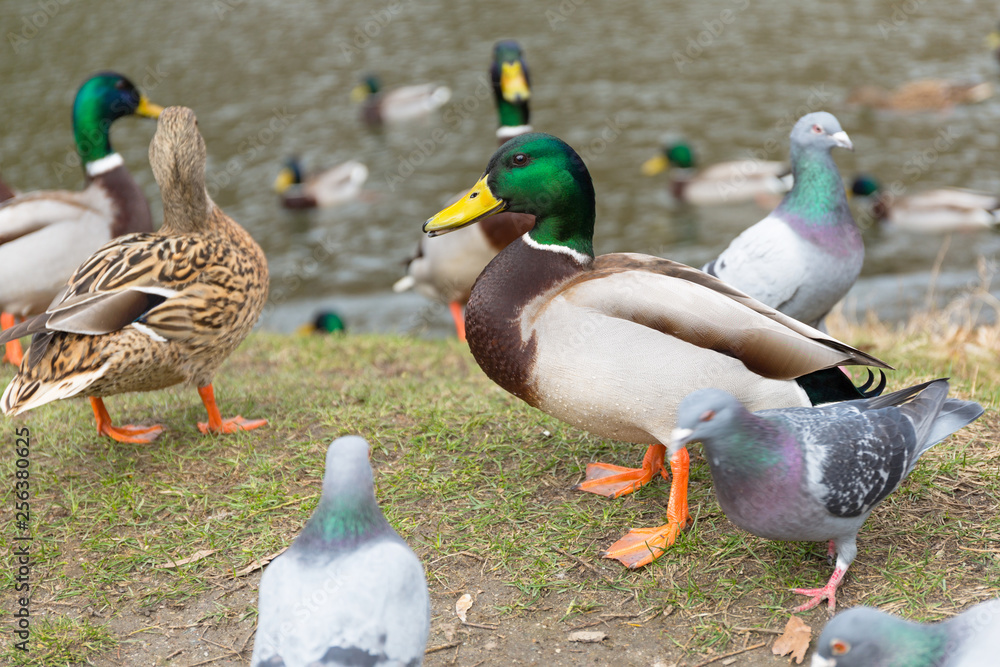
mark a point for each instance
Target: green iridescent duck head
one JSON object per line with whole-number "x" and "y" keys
{"x": 102, "y": 99}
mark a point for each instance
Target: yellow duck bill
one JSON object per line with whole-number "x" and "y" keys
{"x": 147, "y": 109}
{"x": 513, "y": 83}
{"x": 475, "y": 205}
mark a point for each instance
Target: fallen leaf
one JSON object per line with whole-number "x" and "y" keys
{"x": 795, "y": 640}
{"x": 587, "y": 636}
{"x": 462, "y": 607}
{"x": 193, "y": 558}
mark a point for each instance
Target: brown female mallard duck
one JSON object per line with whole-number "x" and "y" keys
{"x": 150, "y": 310}
{"x": 922, "y": 95}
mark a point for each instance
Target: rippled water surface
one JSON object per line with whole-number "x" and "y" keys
{"x": 270, "y": 78}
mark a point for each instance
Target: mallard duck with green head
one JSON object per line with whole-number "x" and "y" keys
{"x": 153, "y": 309}
{"x": 730, "y": 182}
{"x": 330, "y": 187}
{"x": 45, "y": 235}
{"x": 398, "y": 104}
{"x": 445, "y": 268}
{"x": 940, "y": 211}
{"x": 611, "y": 344}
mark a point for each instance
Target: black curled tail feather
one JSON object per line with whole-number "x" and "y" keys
{"x": 831, "y": 385}
{"x": 866, "y": 389}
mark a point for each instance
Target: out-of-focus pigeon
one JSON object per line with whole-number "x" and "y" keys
{"x": 866, "y": 637}
{"x": 349, "y": 591}
{"x": 815, "y": 474}
{"x": 803, "y": 257}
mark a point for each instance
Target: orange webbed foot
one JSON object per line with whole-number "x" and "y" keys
{"x": 613, "y": 481}
{"x": 140, "y": 435}
{"x": 232, "y": 425}
{"x": 216, "y": 424}
{"x": 641, "y": 546}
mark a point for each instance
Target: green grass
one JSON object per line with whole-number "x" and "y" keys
{"x": 476, "y": 481}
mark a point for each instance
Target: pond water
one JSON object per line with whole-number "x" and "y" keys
{"x": 270, "y": 78}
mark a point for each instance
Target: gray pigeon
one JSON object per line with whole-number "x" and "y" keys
{"x": 866, "y": 637}
{"x": 803, "y": 257}
{"x": 815, "y": 474}
{"x": 349, "y": 591}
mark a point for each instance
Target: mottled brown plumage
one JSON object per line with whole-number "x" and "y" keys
{"x": 148, "y": 311}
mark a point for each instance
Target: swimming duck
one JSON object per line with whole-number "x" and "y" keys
{"x": 324, "y": 322}
{"x": 327, "y": 188}
{"x": 445, "y": 268}
{"x": 154, "y": 309}
{"x": 940, "y": 211}
{"x": 45, "y": 235}
{"x": 803, "y": 257}
{"x": 922, "y": 95}
{"x": 611, "y": 344}
{"x": 723, "y": 183}
{"x": 398, "y": 104}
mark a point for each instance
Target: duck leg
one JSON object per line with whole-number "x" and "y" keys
{"x": 216, "y": 424}
{"x": 456, "y": 314}
{"x": 641, "y": 546}
{"x": 137, "y": 434}
{"x": 614, "y": 481}
{"x": 13, "y": 352}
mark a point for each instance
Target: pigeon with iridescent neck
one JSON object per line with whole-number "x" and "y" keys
{"x": 866, "y": 637}
{"x": 803, "y": 257}
{"x": 349, "y": 591}
{"x": 815, "y": 474}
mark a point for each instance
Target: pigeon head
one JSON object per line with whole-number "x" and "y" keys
{"x": 347, "y": 513}
{"x": 706, "y": 414}
{"x": 348, "y": 471}
{"x": 866, "y": 637}
{"x": 819, "y": 130}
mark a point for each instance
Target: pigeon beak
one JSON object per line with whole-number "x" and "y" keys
{"x": 678, "y": 438}
{"x": 820, "y": 661}
{"x": 842, "y": 140}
